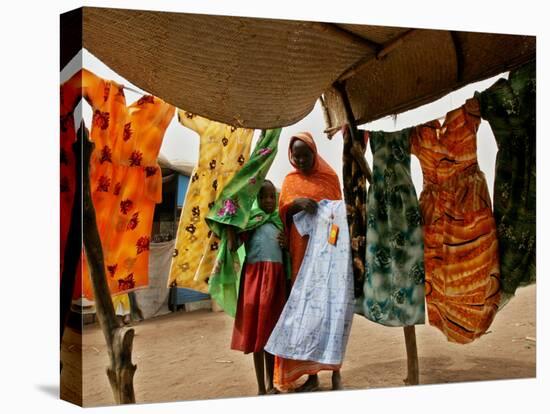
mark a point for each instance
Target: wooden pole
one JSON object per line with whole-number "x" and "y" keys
{"x": 358, "y": 154}
{"x": 326, "y": 117}
{"x": 379, "y": 53}
{"x": 119, "y": 339}
{"x": 412, "y": 356}
{"x": 394, "y": 43}
{"x": 357, "y": 147}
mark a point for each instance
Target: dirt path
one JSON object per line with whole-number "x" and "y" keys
{"x": 186, "y": 356}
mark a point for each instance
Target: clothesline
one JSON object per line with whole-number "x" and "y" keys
{"x": 332, "y": 130}
{"x": 134, "y": 90}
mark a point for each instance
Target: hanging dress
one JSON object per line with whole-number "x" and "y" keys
{"x": 223, "y": 151}
{"x": 139, "y": 189}
{"x": 316, "y": 320}
{"x": 70, "y": 94}
{"x": 510, "y": 107}
{"x": 125, "y": 179}
{"x": 460, "y": 240}
{"x": 394, "y": 283}
{"x": 355, "y": 194}
{"x": 121, "y": 304}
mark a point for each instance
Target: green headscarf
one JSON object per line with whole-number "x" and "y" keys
{"x": 258, "y": 217}
{"x": 237, "y": 206}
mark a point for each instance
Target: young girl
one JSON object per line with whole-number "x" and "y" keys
{"x": 263, "y": 284}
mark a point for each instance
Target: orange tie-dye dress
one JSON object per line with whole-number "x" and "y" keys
{"x": 460, "y": 240}
{"x": 125, "y": 178}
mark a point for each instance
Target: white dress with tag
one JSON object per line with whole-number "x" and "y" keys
{"x": 316, "y": 321}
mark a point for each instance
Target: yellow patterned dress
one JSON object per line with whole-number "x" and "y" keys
{"x": 223, "y": 151}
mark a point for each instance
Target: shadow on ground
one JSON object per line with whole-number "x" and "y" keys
{"x": 441, "y": 370}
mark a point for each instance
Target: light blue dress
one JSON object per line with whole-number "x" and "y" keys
{"x": 316, "y": 321}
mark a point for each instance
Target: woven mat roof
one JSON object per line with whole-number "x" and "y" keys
{"x": 265, "y": 73}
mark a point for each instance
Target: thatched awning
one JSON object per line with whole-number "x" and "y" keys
{"x": 263, "y": 73}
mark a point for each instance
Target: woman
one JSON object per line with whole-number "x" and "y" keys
{"x": 313, "y": 180}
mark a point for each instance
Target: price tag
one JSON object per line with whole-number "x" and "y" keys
{"x": 333, "y": 234}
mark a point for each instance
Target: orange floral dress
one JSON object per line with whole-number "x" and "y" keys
{"x": 125, "y": 179}
{"x": 460, "y": 240}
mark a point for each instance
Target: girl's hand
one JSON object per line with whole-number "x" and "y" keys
{"x": 306, "y": 204}
{"x": 231, "y": 239}
{"x": 281, "y": 238}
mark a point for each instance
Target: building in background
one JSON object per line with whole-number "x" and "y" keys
{"x": 175, "y": 180}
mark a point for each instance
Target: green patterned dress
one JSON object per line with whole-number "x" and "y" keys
{"x": 394, "y": 283}
{"x": 510, "y": 107}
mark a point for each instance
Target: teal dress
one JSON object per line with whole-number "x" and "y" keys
{"x": 510, "y": 107}
{"x": 394, "y": 282}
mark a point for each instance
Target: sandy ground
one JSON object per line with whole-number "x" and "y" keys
{"x": 186, "y": 356}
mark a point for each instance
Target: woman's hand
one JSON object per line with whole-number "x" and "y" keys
{"x": 305, "y": 204}
{"x": 281, "y": 238}
{"x": 300, "y": 204}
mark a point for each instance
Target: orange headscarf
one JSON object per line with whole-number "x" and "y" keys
{"x": 321, "y": 183}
